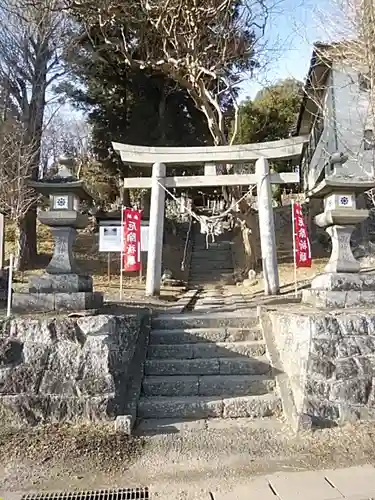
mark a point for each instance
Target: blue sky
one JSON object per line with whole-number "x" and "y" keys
{"x": 294, "y": 27}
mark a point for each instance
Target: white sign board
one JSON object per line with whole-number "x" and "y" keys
{"x": 144, "y": 238}
{"x": 110, "y": 236}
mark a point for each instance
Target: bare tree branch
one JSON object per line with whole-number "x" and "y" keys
{"x": 203, "y": 45}
{"x": 32, "y": 37}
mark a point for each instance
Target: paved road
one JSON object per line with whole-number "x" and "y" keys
{"x": 355, "y": 483}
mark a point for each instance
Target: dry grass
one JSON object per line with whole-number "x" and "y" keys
{"x": 104, "y": 269}
{"x": 101, "y": 445}
{"x": 286, "y": 277}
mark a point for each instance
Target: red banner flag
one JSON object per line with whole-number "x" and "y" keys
{"x": 302, "y": 248}
{"x": 132, "y": 239}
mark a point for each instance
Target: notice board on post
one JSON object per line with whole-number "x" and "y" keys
{"x": 110, "y": 237}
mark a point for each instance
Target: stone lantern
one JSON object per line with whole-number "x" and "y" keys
{"x": 63, "y": 286}
{"x": 341, "y": 284}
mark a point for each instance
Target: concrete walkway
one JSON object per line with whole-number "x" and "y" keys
{"x": 355, "y": 483}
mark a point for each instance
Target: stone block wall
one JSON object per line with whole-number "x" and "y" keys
{"x": 70, "y": 369}
{"x": 329, "y": 358}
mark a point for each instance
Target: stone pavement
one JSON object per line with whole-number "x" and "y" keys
{"x": 355, "y": 483}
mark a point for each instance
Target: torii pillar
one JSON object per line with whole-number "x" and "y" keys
{"x": 267, "y": 228}
{"x": 156, "y": 231}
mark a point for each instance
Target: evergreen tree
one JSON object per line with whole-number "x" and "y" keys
{"x": 271, "y": 116}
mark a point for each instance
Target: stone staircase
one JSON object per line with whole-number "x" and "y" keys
{"x": 213, "y": 265}
{"x": 203, "y": 365}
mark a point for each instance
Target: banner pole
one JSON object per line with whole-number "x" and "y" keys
{"x": 10, "y": 281}
{"x": 294, "y": 250}
{"x": 140, "y": 247}
{"x": 109, "y": 268}
{"x": 122, "y": 250}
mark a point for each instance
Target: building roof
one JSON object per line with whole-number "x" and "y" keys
{"x": 320, "y": 64}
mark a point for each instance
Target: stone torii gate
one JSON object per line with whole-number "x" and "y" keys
{"x": 162, "y": 157}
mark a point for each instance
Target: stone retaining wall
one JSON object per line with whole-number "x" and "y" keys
{"x": 329, "y": 358}
{"x": 70, "y": 369}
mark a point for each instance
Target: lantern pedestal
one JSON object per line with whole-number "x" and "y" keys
{"x": 62, "y": 287}
{"x": 67, "y": 283}
{"x": 63, "y": 260}
{"x": 342, "y": 284}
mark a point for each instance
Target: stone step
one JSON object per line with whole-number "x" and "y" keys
{"x": 209, "y": 307}
{"x": 211, "y": 298}
{"x": 216, "y": 252}
{"x": 223, "y": 268}
{"x": 207, "y": 255}
{"x": 214, "y": 320}
{"x": 213, "y": 246}
{"x": 212, "y": 277}
{"x": 196, "y": 282}
{"x": 208, "y": 385}
{"x": 200, "y": 261}
{"x": 206, "y": 350}
{"x": 213, "y": 265}
{"x": 209, "y": 366}
{"x": 227, "y": 262}
{"x": 160, "y": 426}
{"x": 210, "y": 269}
{"x": 204, "y": 254}
{"x": 209, "y": 407}
{"x": 216, "y": 255}
{"x": 202, "y": 250}
{"x": 216, "y": 273}
{"x": 198, "y": 335}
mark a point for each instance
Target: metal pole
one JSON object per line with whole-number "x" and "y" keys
{"x": 109, "y": 268}
{"x": 10, "y": 281}
{"x": 267, "y": 228}
{"x": 155, "y": 242}
{"x": 294, "y": 251}
{"x": 122, "y": 251}
{"x": 2, "y": 240}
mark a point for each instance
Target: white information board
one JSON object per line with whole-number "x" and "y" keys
{"x": 144, "y": 238}
{"x": 110, "y": 236}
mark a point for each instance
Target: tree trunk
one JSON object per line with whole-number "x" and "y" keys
{"x": 125, "y": 197}
{"x": 250, "y": 234}
{"x": 161, "y": 112}
{"x": 248, "y": 246}
{"x": 22, "y": 256}
{"x": 125, "y": 193}
{"x": 146, "y": 204}
{"x": 34, "y": 117}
